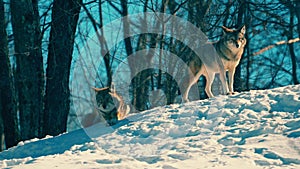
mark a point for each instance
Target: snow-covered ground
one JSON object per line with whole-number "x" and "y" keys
{"x": 256, "y": 129}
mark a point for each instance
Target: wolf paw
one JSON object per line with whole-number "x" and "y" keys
{"x": 185, "y": 100}
{"x": 231, "y": 93}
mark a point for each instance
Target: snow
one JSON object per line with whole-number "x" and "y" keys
{"x": 256, "y": 129}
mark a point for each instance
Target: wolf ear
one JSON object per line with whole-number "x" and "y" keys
{"x": 243, "y": 29}
{"x": 226, "y": 30}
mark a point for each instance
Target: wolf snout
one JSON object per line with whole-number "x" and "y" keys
{"x": 237, "y": 45}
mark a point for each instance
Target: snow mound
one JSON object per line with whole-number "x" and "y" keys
{"x": 256, "y": 129}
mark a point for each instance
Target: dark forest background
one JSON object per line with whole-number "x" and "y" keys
{"x": 39, "y": 41}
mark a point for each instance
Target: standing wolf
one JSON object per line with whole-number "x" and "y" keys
{"x": 230, "y": 49}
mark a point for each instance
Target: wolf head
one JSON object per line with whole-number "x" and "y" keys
{"x": 111, "y": 105}
{"x": 106, "y": 106}
{"x": 235, "y": 38}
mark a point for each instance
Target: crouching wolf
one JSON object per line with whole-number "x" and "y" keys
{"x": 110, "y": 108}
{"x": 230, "y": 49}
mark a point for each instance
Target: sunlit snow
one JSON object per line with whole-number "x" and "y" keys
{"x": 256, "y": 129}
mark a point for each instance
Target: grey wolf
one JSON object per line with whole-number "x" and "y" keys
{"x": 229, "y": 48}
{"x": 110, "y": 108}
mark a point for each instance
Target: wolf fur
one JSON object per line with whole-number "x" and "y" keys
{"x": 230, "y": 49}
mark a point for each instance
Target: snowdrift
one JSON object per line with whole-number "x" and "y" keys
{"x": 256, "y": 129}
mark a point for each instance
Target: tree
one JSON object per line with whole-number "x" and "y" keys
{"x": 138, "y": 87}
{"x": 29, "y": 62}
{"x": 294, "y": 11}
{"x": 8, "y": 110}
{"x": 101, "y": 38}
{"x": 65, "y": 16}
{"x": 292, "y": 49}
{"x": 241, "y": 19}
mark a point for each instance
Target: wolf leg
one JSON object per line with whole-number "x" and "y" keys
{"x": 231, "y": 79}
{"x": 210, "y": 76}
{"x": 224, "y": 82}
{"x": 185, "y": 95}
{"x": 187, "y": 86}
{"x": 189, "y": 81}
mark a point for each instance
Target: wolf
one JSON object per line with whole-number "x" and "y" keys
{"x": 229, "y": 48}
{"x": 110, "y": 108}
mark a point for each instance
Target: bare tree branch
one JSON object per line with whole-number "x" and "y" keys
{"x": 276, "y": 44}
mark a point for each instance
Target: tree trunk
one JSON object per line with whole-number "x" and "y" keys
{"x": 297, "y": 12}
{"x": 102, "y": 40}
{"x": 30, "y": 75}
{"x": 291, "y": 48}
{"x": 65, "y": 16}
{"x": 129, "y": 50}
{"x": 2, "y": 142}
{"x": 238, "y": 81}
{"x": 8, "y": 105}
{"x": 103, "y": 43}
